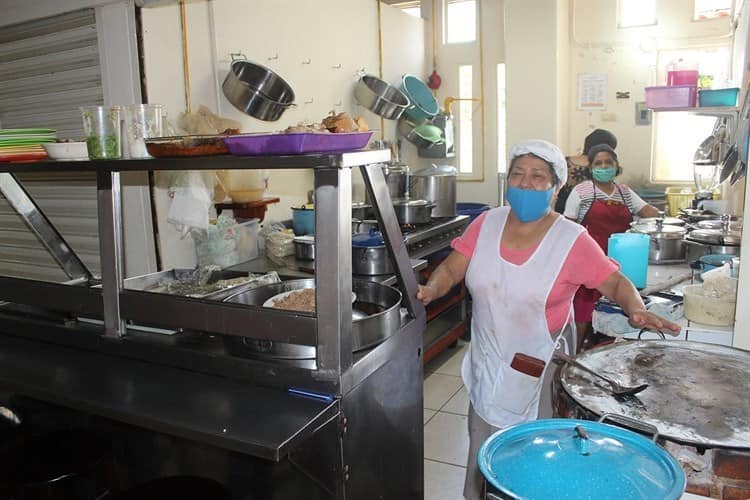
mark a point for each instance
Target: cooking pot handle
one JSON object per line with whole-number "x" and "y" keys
{"x": 658, "y": 332}
{"x": 631, "y": 422}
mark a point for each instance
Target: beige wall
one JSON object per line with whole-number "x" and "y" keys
{"x": 328, "y": 33}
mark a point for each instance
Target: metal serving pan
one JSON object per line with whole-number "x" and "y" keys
{"x": 375, "y": 316}
{"x": 150, "y": 283}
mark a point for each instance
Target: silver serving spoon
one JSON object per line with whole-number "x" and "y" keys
{"x": 616, "y": 388}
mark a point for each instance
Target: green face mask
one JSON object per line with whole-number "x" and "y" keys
{"x": 604, "y": 174}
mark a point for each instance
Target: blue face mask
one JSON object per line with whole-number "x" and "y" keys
{"x": 528, "y": 204}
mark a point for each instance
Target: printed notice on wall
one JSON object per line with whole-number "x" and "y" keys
{"x": 592, "y": 91}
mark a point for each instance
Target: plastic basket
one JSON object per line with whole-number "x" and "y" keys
{"x": 671, "y": 96}
{"x": 718, "y": 97}
{"x": 227, "y": 247}
{"x": 678, "y": 198}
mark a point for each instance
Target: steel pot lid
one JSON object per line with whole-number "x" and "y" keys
{"x": 671, "y": 221}
{"x": 734, "y": 225}
{"x": 545, "y": 459}
{"x": 659, "y": 231}
{"x": 697, "y": 393}
{"x": 368, "y": 240}
{"x": 307, "y": 239}
{"x": 437, "y": 171}
{"x": 715, "y": 237}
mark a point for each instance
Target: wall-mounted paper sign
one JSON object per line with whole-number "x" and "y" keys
{"x": 592, "y": 91}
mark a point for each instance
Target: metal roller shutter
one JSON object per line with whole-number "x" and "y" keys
{"x": 48, "y": 68}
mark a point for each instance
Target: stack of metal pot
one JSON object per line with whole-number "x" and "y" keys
{"x": 666, "y": 238}
{"x": 436, "y": 184}
{"x": 718, "y": 236}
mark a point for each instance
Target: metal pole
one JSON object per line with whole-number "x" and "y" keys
{"x": 109, "y": 202}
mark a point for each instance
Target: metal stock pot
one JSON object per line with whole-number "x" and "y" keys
{"x": 438, "y": 185}
{"x": 666, "y": 242}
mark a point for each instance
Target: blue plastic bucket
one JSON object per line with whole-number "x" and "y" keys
{"x": 630, "y": 250}
{"x": 303, "y": 221}
{"x": 471, "y": 209}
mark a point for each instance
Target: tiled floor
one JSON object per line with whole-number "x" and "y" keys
{"x": 446, "y": 437}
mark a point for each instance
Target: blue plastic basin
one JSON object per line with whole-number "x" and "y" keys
{"x": 471, "y": 209}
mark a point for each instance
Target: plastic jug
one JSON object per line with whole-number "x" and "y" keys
{"x": 630, "y": 250}
{"x": 243, "y": 186}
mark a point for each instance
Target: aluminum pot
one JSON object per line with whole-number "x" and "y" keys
{"x": 361, "y": 210}
{"x": 375, "y": 316}
{"x": 666, "y": 242}
{"x": 397, "y": 178}
{"x": 364, "y": 225}
{"x": 694, "y": 250}
{"x": 257, "y": 91}
{"x": 438, "y": 185}
{"x": 380, "y": 98}
{"x": 410, "y": 211}
{"x": 369, "y": 254}
{"x": 304, "y": 247}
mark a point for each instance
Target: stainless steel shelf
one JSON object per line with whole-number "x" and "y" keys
{"x": 223, "y": 162}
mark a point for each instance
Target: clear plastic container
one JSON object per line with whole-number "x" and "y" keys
{"x": 101, "y": 126}
{"x": 674, "y": 96}
{"x": 142, "y": 121}
{"x": 706, "y": 309}
{"x": 227, "y": 247}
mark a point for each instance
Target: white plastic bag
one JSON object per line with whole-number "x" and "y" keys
{"x": 192, "y": 198}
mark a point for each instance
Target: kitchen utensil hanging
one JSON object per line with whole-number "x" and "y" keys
{"x": 256, "y": 90}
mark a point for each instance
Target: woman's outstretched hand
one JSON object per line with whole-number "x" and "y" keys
{"x": 425, "y": 294}
{"x": 642, "y": 318}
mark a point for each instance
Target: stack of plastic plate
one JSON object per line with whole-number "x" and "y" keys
{"x": 24, "y": 144}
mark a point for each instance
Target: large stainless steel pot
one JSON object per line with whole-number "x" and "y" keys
{"x": 397, "y": 178}
{"x": 438, "y": 185}
{"x": 257, "y": 91}
{"x": 700, "y": 242}
{"x": 666, "y": 242}
{"x": 413, "y": 211}
{"x": 380, "y": 98}
{"x": 369, "y": 254}
{"x": 375, "y": 316}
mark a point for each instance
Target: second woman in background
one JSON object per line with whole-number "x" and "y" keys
{"x": 603, "y": 207}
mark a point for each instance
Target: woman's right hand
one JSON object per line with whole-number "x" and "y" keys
{"x": 426, "y": 294}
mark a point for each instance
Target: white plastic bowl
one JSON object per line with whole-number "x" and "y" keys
{"x": 66, "y": 150}
{"x": 706, "y": 309}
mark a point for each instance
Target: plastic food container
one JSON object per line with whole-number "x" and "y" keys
{"x": 235, "y": 244}
{"x": 708, "y": 310}
{"x": 682, "y": 77}
{"x": 718, "y": 97}
{"x": 671, "y": 96}
{"x": 678, "y": 198}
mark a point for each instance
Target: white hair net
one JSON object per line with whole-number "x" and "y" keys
{"x": 546, "y": 151}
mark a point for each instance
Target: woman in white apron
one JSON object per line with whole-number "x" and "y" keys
{"x": 513, "y": 270}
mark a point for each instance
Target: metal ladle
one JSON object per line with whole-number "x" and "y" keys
{"x": 616, "y": 388}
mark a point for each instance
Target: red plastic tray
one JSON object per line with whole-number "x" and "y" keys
{"x": 295, "y": 143}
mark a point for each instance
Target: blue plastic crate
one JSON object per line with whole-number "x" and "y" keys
{"x": 718, "y": 97}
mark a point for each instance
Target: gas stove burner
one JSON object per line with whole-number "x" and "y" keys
{"x": 409, "y": 228}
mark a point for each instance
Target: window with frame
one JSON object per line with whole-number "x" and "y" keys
{"x": 412, "y": 7}
{"x": 704, "y": 10}
{"x": 633, "y": 13}
{"x": 676, "y": 136}
{"x": 460, "y": 21}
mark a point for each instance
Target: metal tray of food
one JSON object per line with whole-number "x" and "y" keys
{"x": 202, "y": 283}
{"x": 186, "y": 145}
